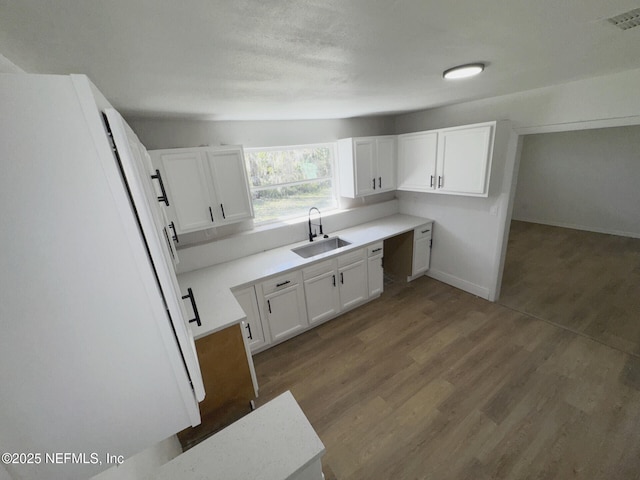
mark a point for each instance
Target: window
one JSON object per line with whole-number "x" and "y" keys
{"x": 287, "y": 181}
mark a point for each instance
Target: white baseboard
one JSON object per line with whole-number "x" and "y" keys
{"x": 465, "y": 285}
{"x": 574, "y": 226}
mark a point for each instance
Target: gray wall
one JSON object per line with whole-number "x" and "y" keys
{"x": 586, "y": 179}
{"x": 175, "y": 133}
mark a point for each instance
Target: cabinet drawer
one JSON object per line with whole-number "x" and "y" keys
{"x": 422, "y": 231}
{"x": 351, "y": 257}
{"x": 318, "y": 269}
{"x": 375, "y": 249}
{"x": 281, "y": 282}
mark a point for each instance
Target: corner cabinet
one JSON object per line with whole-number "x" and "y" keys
{"x": 367, "y": 165}
{"x": 203, "y": 187}
{"x": 455, "y": 161}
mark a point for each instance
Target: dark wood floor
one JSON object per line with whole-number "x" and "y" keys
{"x": 584, "y": 281}
{"x": 429, "y": 382}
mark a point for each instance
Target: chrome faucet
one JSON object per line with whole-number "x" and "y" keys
{"x": 314, "y": 233}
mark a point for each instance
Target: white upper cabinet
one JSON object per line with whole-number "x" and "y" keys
{"x": 206, "y": 187}
{"x": 366, "y": 165}
{"x": 464, "y": 160}
{"x": 454, "y": 161}
{"x": 186, "y": 186}
{"x": 230, "y": 183}
{"x": 387, "y": 163}
{"x": 417, "y": 161}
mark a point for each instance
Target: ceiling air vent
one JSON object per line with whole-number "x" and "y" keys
{"x": 627, "y": 20}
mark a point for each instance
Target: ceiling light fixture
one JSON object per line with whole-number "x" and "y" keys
{"x": 463, "y": 71}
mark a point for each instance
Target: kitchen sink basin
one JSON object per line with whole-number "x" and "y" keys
{"x": 320, "y": 246}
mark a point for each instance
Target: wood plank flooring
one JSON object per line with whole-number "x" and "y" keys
{"x": 584, "y": 281}
{"x": 429, "y": 382}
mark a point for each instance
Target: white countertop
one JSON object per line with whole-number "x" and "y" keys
{"x": 212, "y": 286}
{"x": 274, "y": 442}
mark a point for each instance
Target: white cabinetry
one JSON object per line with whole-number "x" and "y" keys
{"x": 321, "y": 290}
{"x": 352, "y": 272}
{"x": 453, "y": 161}
{"x": 464, "y": 159}
{"x": 375, "y": 270}
{"x": 417, "y": 161}
{"x": 253, "y": 324}
{"x": 335, "y": 285}
{"x": 205, "y": 187}
{"x": 366, "y": 165}
{"x": 284, "y": 306}
{"x": 421, "y": 251}
{"x": 230, "y": 183}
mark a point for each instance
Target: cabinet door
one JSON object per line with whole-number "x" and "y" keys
{"x": 231, "y": 186}
{"x": 322, "y": 296}
{"x": 464, "y": 160}
{"x": 286, "y": 312}
{"x": 188, "y": 190}
{"x": 376, "y": 276}
{"x": 253, "y": 324}
{"x": 417, "y": 161}
{"x": 386, "y": 164}
{"x": 421, "y": 255}
{"x": 353, "y": 284}
{"x": 364, "y": 152}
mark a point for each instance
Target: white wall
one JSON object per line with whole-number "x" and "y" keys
{"x": 469, "y": 246}
{"x": 584, "y": 179}
{"x": 612, "y": 98}
{"x": 250, "y": 242}
{"x": 176, "y": 133}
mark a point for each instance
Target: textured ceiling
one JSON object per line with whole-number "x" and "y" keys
{"x": 305, "y": 59}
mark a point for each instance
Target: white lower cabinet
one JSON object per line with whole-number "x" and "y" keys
{"x": 421, "y": 250}
{"x": 335, "y": 285}
{"x": 375, "y": 272}
{"x": 253, "y": 330}
{"x": 353, "y": 282}
{"x": 321, "y": 290}
{"x": 284, "y": 306}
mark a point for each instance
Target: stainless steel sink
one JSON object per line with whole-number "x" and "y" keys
{"x": 320, "y": 246}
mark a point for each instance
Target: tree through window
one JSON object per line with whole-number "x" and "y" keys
{"x": 287, "y": 181}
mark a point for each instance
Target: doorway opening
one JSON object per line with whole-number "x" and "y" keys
{"x": 573, "y": 256}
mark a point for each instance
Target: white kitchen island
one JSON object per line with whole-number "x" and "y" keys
{"x": 275, "y": 442}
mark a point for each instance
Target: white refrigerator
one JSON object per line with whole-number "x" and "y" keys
{"x": 96, "y": 353}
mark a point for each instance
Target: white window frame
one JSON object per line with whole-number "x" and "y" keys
{"x": 334, "y": 177}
